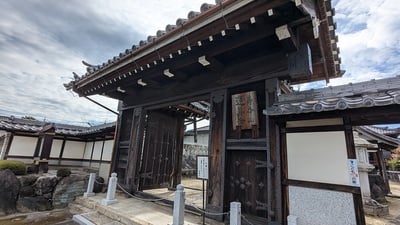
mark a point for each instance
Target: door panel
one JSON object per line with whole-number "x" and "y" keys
{"x": 162, "y": 149}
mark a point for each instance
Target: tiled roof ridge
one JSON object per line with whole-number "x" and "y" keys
{"x": 358, "y": 95}
{"x": 383, "y": 130}
{"x": 152, "y": 41}
{"x": 36, "y": 126}
{"x": 366, "y": 130}
{"x": 92, "y": 69}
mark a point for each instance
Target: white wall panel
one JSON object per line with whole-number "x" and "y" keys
{"x": 88, "y": 150}
{"x": 74, "y": 149}
{"x": 56, "y": 148}
{"x": 318, "y": 156}
{"x": 108, "y": 148}
{"x": 23, "y": 146}
{"x": 97, "y": 150}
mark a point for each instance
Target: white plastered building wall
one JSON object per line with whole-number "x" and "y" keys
{"x": 319, "y": 157}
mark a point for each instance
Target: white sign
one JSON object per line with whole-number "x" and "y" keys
{"x": 353, "y": 172}
{"x": 202, "y": 167}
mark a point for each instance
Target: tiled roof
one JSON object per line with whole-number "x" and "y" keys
{"x": 369, "y": 133}
{"x": 358, "y": 95}
{"x": 18, "y": 124}
{"x": 180, "y": 30}
{"x": 93, "y": 69}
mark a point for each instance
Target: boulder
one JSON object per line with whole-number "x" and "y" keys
{"x": 45, "y": 185}
{"x": 37, "y": 203}
{"x": 26, "y": 185}
{"x": 68, "y": 189}
{"x": 9, "y": 186}
{"x": 27, "y": 180}
{"x": 26, "y": 191}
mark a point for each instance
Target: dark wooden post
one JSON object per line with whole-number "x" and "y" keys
{"x": 8, "y": 143}
{"x": 177, "y": 175}
{"x": 382, "y": 167}
{"x": 137, "y": 134}
{"x": 47, "y": 143}
{"x": 274, "y": 188}
{"x": 48, "y": 133}
{"x": 215, "y": 191}
{"x": 351, "y": 154}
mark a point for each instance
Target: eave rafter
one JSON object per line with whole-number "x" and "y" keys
{"x": 181, "y": 47}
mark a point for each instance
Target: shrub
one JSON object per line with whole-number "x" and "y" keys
{"x": 63, "y": 172}
{"x": 17, "y": 167}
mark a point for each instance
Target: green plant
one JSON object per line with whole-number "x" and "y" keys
{"x": 63, "y": 172}
{"x": 392, "y": 164}
{"x": 17, "y": 167}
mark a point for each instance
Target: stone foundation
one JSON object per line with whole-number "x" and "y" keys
{"x": 376, "y": 210}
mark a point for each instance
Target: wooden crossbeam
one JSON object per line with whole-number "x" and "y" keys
{"x": 287, "y": 38}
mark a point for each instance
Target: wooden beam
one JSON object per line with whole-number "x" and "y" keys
{"x": 211, "y": 63}
{"x": 307, "y": 7}
{"x": 287, "y": 38}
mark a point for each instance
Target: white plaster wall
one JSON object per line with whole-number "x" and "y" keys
{"x": 108, "y": 148}
{"x": 321, "y": 207}
{"x": 104, "y": 171}
{"x": 23, "y": 146}
{"x": 88, "y": 150}
{"x": 56, "y": 148}
{"x": 202, "y": 139}
{"x": 74, "y": 149}
{"x": 318, "y": 156}
{"x": 97, "y": 150}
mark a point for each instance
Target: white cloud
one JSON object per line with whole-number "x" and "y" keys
{"x": 42, "y": 42}
{"x": 369, "y": 40}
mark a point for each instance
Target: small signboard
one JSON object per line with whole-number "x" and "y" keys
{"x": 202, "y": 167}
{"x": 353, "y": 172}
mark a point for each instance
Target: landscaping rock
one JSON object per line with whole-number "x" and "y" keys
{"x": 26, "y": 191}
{"x": 27, "y": 180}
{"x": 44, "y": 185}
{"x": 38, "y": 203}
{"x": 9, "y": 186}
{"x": 68, "y": 189}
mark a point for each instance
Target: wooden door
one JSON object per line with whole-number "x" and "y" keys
{"x": 246, "y": 179}
{"x": 162, "y": 152}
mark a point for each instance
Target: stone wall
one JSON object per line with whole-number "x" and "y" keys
{"x": 190, "y": 151}
{"x": 39, "y": 192}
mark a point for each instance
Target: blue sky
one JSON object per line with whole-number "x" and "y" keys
{"x": 43, "y": 41}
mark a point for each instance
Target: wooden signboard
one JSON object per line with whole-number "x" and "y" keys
{"x": 245, "y": 112}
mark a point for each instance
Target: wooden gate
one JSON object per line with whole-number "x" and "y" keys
{"x": 162, "y": 152}
{"x": 247, "y": 180}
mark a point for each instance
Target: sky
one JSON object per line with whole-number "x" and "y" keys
{"x": 43, "y": 41}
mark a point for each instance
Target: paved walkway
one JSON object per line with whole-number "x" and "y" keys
{"x": 133, "y": 211}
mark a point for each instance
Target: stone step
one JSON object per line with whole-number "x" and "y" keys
{"x": 88, "y": 212}
{"x": 99, "y": 219}
{"x": 87, "y": 202}
{"x": 76, "y": 208}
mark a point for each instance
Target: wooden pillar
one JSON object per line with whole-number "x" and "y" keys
{"x": 215, "y": 191}
{"x": 382, "y": 167}
{"x": 60, "y": 156}
{"x": 47, "y": 143}
{"x": 7, "y": 145}
{"x": 177, "y": 175}
{"x": 136, "y": 142}
{"x": 351, "y": 154}
{"x": 274, "y": 191}
{"x": 38, "y": 146}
